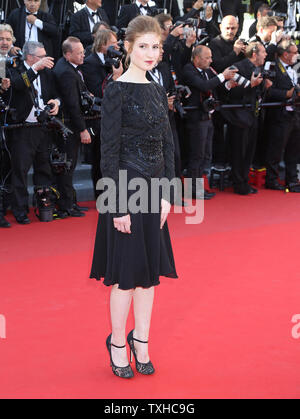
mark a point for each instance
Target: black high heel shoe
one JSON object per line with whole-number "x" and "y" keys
{"x": 123, "y": 372}
{"x": 143, "y": 368}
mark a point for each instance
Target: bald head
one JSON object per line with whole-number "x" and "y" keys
{"x": 229, "y": 27}
{"x": 202, "y": 57}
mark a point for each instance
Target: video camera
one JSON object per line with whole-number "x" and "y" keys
{"x": 44, "y": 117}
{"x": 90, "y": 104}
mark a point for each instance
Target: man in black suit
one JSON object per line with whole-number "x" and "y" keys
{"x": 262, "y": 11}
{"x": 31, "y": 24}
{"x": 227, "y": 50}
{"x": 130, "y": 11}
{"x": 242, "y": 127}
{"x": 82, "y": 22}
{"x": 267, "y": 34}
{"x": 70, "y": 84}
{"x": 202, "y": 80}
{"x": 33, "y": 86}
{"x": 6, "y": 42}
{"x": 96, "y": 73}
{"x": 283, "y": 123}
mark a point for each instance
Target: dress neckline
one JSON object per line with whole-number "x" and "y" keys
{"x": 132, "y": 82}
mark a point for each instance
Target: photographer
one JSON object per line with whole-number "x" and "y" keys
{"x": 6, "y": 41}
{"x": 203, "y": 81}
{"x": 71, "y": 86}
{"x": 29, "y": 23}
{"x": 83, "y": 21}
{"x": 96, "y": 70}
{"x": 283, "y": 123}
{"x": 261, "y": 11}
{"x": 130, "y": 11}
{"x": 268, "y": 35}
{"x": 33, "y": 87}
{"x": 226, "y": 48}
{"x": 178, "y": 48}
{"x": 242, "y": 127}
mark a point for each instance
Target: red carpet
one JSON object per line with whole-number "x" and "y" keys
{"x": 223, "y": 330}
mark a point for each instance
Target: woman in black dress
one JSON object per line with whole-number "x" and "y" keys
{"x": 133, "y": 249}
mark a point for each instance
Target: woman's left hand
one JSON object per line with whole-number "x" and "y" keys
{"x": 165, "y": 209}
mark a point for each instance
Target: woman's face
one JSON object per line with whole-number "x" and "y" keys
{"x": 145, "y": 51}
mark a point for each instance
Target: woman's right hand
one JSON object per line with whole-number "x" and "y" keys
{"x": 123, "y": 224}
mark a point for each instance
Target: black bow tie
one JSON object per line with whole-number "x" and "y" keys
{"x": 144, "y": 7}
{"x": 94, "y": 14}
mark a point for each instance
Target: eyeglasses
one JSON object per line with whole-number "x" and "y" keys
{"x": 39, "y": 56}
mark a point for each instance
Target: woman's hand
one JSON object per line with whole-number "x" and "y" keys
{"x": 123, "y": 224}
{"x": 165, "y": 209}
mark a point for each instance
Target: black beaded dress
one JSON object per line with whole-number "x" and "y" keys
{"x": 136, "y": 137}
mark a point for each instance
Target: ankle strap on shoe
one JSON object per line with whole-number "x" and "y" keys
{"x": 120, "y": 347}
{"x": 141, "y": 341}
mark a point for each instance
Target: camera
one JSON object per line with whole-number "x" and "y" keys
{"x": 212, "y": 3}
{"x": 239, "y": 79}
{"x": 294, "y": 35}
{"x": 268, "y": 72}
{"x": 59, "y": 161}
{"x": 44, "y": 117}
{"x": 114, "y": 57}
{"x": 180, "y": 93}
{"x": 211, "y": 104}
{"x": 121, "y": 33}
{"x": 243, "y": 41}
{"x": 154, "y": 11}
{"x": 44, "y": 202}
{"x": 9, "y": 62}
{"x": 90, "y": 104}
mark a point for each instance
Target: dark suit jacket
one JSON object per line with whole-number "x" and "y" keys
{"x": 168, "y": 82}
{"x": 111, "y": 8}
{"x": 200, "y": 87}
{"x": 94, "y": 72}
{"x": 277, "y": 93}
{"x": 70, "y": 86}
{"x": 22, "y": 99}
{"x": 127, "y": 13}
{"x": 223, "y": 54}
{"x": 17, "y": 20}
{"x": 80, "y": 25}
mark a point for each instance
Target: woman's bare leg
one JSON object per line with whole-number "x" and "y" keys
{"x": 120, "y": 301}
{"x": 142, "y": 303}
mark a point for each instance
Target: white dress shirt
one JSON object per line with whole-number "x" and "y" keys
{"x": 92, "y": 19}
{"x": 31, "y": 31}
{"x": 37, "y": 85}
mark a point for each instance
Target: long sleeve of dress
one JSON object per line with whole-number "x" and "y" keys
{"x": 111, "y": 122}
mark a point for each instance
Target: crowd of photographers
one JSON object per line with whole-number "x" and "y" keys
{"x": 232, "y": 101}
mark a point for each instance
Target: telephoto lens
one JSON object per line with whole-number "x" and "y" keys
{"x": 240, "y": 80}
